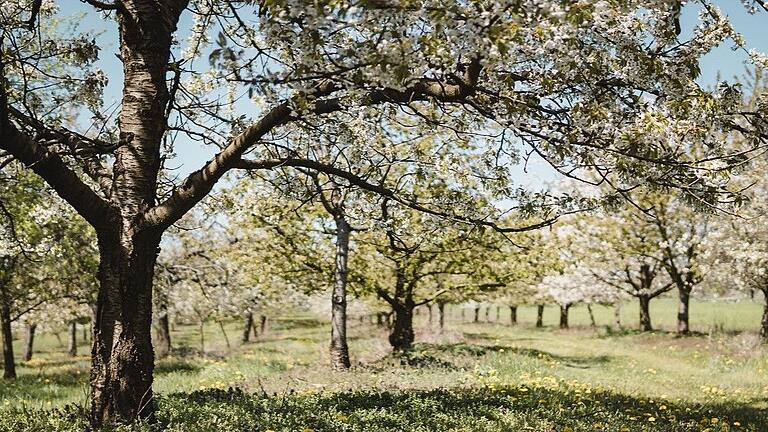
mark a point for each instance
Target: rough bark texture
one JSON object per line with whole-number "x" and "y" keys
{"x": 564, "y": 309}
{"x": 72, "y": 349}
{"x": 645, "y": 313}
{"x": 9, "y": 364}
{"x": 247, "y": 326}
{"x": 339, "y": 349}
{"x": 29, "y": 341}
{"x": 683, "y": 328}
{"x": 513, "y": 315}
{"x": 540, "y": 316}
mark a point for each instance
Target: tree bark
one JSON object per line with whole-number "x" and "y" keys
{"x": 162, "y": 340}
{"x": 163, "y": 334}
{"x": 72, "y": 350}
{"x": 592, "y": 321}
{"x": 564, "y": 316}
{"x": 441, "y": 314}
{"x": 29, "y": 341}
{"x": 645, "y": 313}
{"x": 339, "y": 349}
{"x": 683, "y": 327}
{"x": 401, "y": 337}
{"x": 540, "y": 316}
{"x": 513, "y": 315}
{"x": 764, "y": 320}
{"x": 248, "y": 326}
{"x": 9, "y": 364}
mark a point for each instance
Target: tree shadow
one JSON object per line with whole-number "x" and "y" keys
{"x": 478, "y": 350}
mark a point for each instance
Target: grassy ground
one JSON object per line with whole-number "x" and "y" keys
{"x": 470, "y": 377}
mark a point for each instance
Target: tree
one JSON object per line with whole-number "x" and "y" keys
{"x": 528, "y": 70}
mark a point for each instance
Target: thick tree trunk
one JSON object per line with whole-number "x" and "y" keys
{"x": 539, "y": 316}
{"x": 513, "y": 315}
{"x": 592, "y": 321}
{"x": 122, "y": 356}
{"x": 72, "y": 350}
{"x": 247, "y": 326}
{"x": 339, "y": 349}
{"x": 401, "y": 337}
{"x": 564, "y": 316}
{"x": 29, "y": 341}
{"x": 645, "y": 313}
{"x": 441, "y": 314}
{"x": 683, "y": 327}
{"x": 9, "y": 364}
{"x": 477, "y": 313}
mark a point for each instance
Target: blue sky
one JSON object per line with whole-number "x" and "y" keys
{"x": 723, "y": 61}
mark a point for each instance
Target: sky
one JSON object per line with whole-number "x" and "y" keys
{"x": 723, "y": 62}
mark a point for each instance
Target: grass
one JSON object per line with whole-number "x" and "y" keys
{"x": 470, "y": 377}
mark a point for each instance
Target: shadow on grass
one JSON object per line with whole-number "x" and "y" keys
{"x": 469, "y": 349}
{"x": 174, "y": 365}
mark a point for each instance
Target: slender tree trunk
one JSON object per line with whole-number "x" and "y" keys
{"x": 162, "y": 328}
{"x": 764, "y": 321}
{"x": 9, "y": 364}
{"x": 513, "y": 315}
{"x": 441, "y": 314}
{"x": 339, "y": 349}
{"x": 487, "y": 314}
{"x": 72, "y": 350}
{"x": 29, "y": 341}
{"x": 592, "y": 321}
{"x": 401, "y": 337}
{"x": 617, "y": 315}
{"x": 381, "y": 319}
{"x": 85, "y": 333}
{"x": 539, "y": 316}
{"x": 683, "y": 327}
{"x": 429, "y": 315}
{"x": 463, "y": 314}
{"x": 201, "y": 330}
{"x": 498, "y": 313}
{"x": 645, "y": 314}
{"x": 248, "y": 326}
{"x": 477, "y": 313}
{"x": 263, "y": 324}
{"x": 224, "y": 333}
{"x": 564, "y": 316}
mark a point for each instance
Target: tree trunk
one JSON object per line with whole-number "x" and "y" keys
{"x": 477, "y": 313}
{"x": 162, "y": 326}
{"x": 401, "y": 337}
{"x": 513, "y": 315}
{"x": 487, "y": 314}
{"x": 72, "y": 350}
{"x": 122, "y": 357}
{"x": 463, "y": 314}
{"x": 592, "y": 321}
{"x": 564, "y": 316}
{"x": 201, "y": 330}
{"x": 248, "y": 326}
{"x": 617, "y": 315}
{"x": 224, "y": 333}
{"x": 683, "y": 327}
{"x": 9, "y": 364}
{"x": 339, "y": 349}
{"x": 429, "y": 315}
{"x": 645, "y": 313}
{"x": 441, "y": 314}
{"x": 381, "y": 319}
{"x": 498, "y": 313}
{"x": 263, "y": 324}
{"x": 29, "y": 341}
{"x": 540, "y": 316}
{"x": 764, "y": 321}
